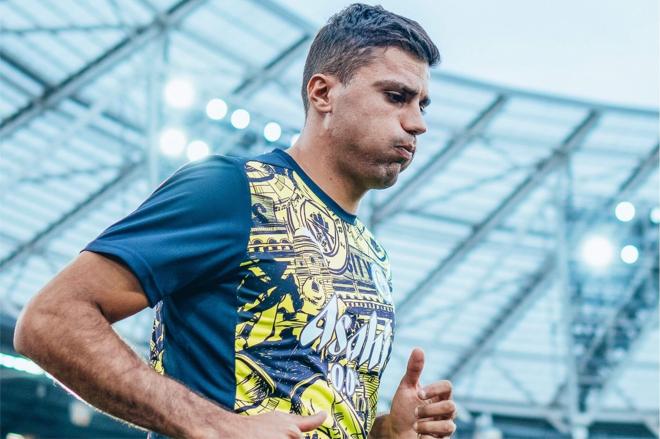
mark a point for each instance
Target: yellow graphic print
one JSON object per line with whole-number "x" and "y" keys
{"x": 315, "y": 318}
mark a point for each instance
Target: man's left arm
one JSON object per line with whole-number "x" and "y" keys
{"x": 416, "y": 410}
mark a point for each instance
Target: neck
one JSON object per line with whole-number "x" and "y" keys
{"x": 314, "y": 155}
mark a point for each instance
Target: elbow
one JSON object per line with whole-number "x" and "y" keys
{"x": 23, "y": 333}
{"x": 33, "y": 328}
{"x": 44, "y": 321}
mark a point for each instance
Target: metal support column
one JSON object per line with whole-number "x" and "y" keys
{"x": 567, "y": 299}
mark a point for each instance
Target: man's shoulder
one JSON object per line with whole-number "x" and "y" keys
{"x": 213, "y": 181}
{"x": 213, "y": 164}
{"x": 218, "y": 163}
{"x": 207, "y": 173}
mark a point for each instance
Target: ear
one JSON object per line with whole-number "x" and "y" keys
{"x": 319, "y": 90}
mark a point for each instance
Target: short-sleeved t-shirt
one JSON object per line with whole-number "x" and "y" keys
{"x": 268, "y": 295}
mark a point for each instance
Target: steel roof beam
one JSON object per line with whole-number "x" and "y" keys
{"x": 63, "y": 29}
{"x": 514, "y": 199}
{"x": 71, "y": 84}
{"x": 548, "y": 98}
{"x": 273, "y": 68}
{"x": 647, "y": 166}
{"x": 64, "y": 175}
{"x": 34, "y": 76}
{"x": 505, "y": 319}
{"x": 125, "y": 176}
{"x": 528, "y": 295}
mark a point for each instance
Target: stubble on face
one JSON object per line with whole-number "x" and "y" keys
{"x": 366, "y": 126}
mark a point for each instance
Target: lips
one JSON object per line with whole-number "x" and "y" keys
{"x": 407, "y": 147}
{"x": 406, "y": 151}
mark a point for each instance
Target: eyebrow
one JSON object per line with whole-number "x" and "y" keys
{"x": 403, "y": 88}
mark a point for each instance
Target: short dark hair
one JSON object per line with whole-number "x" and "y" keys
{"x": 345, "y": 43}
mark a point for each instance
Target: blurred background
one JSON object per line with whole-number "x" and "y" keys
{"x": 523, "y": 239}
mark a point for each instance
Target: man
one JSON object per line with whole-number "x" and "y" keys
{"x": 272, "y": 299}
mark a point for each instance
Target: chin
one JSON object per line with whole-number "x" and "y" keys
{"x": 386, "y": 181}
{"x": 382, "y": 177}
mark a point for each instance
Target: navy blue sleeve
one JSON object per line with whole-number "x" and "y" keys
{"x": 191, "y": 231}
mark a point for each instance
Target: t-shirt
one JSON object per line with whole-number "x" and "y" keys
{"x": 268, "y": 295}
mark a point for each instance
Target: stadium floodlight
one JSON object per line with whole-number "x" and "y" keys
{"x": 240, "y": 119}
{"x": 625, "y": 211}
{"x": 294, "y": 139}
{"x": 272, "y": 131}
{"x": 597, "y": 251}
{"x": 180, "y": 93}
{"x": 172, "y": 141}
{"x": 216, "y": 109}
{"x": 629, "y": 254}
{"x": 655, "y": 215}
{"x": 197, "y": 150}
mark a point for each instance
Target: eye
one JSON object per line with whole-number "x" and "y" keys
{"x": 395, "y": 97}
{"x": 422, "y": 110}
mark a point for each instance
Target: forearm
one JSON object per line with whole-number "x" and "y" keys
{"x": 80, "y": 349}
{"x": 381, "y": 428}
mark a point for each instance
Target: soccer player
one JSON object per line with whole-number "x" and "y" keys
{"x": 274, "y": 314}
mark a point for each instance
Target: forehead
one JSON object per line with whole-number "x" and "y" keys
{"x": 392, "y": 63}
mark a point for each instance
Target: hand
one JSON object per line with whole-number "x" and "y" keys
{"x": 427, "y": 411}
{"x": 275, "y": 425}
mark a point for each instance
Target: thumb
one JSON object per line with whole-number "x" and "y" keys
{"x": 309, "y": 423}
{"x": 414, "y": 368}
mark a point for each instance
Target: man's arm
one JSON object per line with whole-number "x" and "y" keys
{"x": 66, "y": 329}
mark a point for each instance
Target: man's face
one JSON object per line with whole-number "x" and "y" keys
{"x": 377, "y": 116}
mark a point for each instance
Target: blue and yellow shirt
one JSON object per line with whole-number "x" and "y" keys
{"x": 268, "y": 295}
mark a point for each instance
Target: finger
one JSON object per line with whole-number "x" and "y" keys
{"x": 440, "y": 390}
{"x": 309, "y": 423}
{"x": 441, "y": 410}
{"x": 414, "y": 368}
{"x": 435, "y": 428}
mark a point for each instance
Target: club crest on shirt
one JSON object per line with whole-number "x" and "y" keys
{"x": 323, "y": 227}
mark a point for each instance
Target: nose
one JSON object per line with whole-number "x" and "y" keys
{"x": 413, "y": 122}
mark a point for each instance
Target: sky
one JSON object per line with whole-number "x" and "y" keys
{"x": 599, "y": 50}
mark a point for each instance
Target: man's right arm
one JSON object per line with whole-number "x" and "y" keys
{"x": 66, "y": 329}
